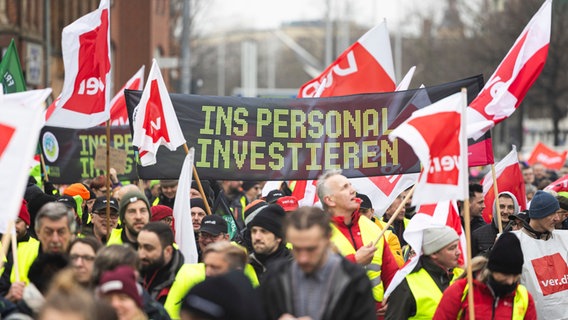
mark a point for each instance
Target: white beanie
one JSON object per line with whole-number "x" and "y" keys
{"x": 436, "y": 238}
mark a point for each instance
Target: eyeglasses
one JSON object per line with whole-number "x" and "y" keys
{"x": 103, "y": 214}
{"x": 75, "y": 257}
{"x": 204, "y": 235}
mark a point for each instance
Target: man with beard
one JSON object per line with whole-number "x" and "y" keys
{"x": 134, "y": 214}
{"x": 159, "y": 260}
{"x": 267, "y": 239}
{"x": 98, "y": 226}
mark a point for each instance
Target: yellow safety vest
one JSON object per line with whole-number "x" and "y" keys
{"x": 27, "y": 253}
{"x": 520, "y": 302}
{"x": 369, "y": 232}
{"x": 187, "y": 277}
{"x": 115, "y": 237}
{"x": 426, "y": 292}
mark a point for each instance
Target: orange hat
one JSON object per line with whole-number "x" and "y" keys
{"x": 78, "y": 189}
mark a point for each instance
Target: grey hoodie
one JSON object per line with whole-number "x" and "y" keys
{"x": 515, "y": 203}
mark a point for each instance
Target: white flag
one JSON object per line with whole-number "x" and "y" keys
{"x": 21, "y": 120}
{"x": 155, "y": 121}
{"x": 84, "y": 100}
{"x": 185, "y": 238}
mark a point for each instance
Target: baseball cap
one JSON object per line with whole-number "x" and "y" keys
{"x": 365, "y": 201}
{"x": 273, "y": 195}
{"x": 68, "y": 201}
{"x": 101, "y": 203}
{"x": 214, "y": 225}
{"x": 288, "y": 203}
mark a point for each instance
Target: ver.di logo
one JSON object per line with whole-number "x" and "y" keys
{"x": 50, "y": 146}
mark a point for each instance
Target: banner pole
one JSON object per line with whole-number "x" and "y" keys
{"x": 107, "y": 181}
{"x": 6, "y": 242}
{"x": 42, "y": 162}
{"x": 196, "y": 177}
{"x": 496, "y": 192}
{"x": 15, "y": 256}
{"x": 396, "y": 212}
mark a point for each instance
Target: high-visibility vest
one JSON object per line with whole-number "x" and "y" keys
{"x": 115, "y": 237}
{"x": 27, "y": 253}
{"x": 369, "y": 232}
{"x": 426, "y": 292}
{"x": 520, "y": 302}
{"x": 187, "y": 277}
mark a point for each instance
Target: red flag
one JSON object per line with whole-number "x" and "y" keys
{"x": 84, "y": 99}
{"x": 560, "y": 185}
{"x": 436, "y": 135}
{"x": 155, "y": 121}
{"x": 366, "y": 66}
{"x": 118, "y": 112}
{"x": 515, "y": 75}
{"x": 509, "y": 178}
{"x": 444, "y": 213}
{"x": 548, "y": 157}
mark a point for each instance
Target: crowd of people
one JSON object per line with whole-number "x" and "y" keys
{"x": 82, "y": 254}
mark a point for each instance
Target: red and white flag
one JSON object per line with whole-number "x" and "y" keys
{"x": 522, "y": 65}
{"x": 437, "y": 136}
{"x": 560, "y": 185}
{"x": 84, "y": 100}
{"x": 118, "y": 112}
{"x": 509, "y": 178}
{"x": 547, "y": 156}
{"x": 366, "y": 66}
{"x": 184, "y": 236}
{"x": 21, "y": 120}
{"x": 444, "y": 213}
{"x": 383, "y": 190}
{"x": 155, "y": 121}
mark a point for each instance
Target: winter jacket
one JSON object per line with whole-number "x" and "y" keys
{"x": 350, "y": 293}
{"x": 262, "y": 263}
{"x": 455, "y": 301}
{"x": 159, "y": 281}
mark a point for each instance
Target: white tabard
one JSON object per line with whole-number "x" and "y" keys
{"x": 545, "y": 273}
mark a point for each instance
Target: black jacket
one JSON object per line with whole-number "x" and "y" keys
{"x": 483, "y": 239}
{"x": 262, "y": 263}
{"x": 159, "y": 282}
{"x": 351, "y": 293}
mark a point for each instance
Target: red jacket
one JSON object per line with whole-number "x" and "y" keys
{"x": 353, "y": 233}
{"x": 452, "y": 303}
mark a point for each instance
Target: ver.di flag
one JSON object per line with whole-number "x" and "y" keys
{"x": 84, "y": 100}
{"x": 437, "y": 136}
{"x": 11, "y": 71}
{"x": 509, "y": 178}
{"x": 155, "y": 121}
{"x": 21, "y": 119}
{"x": 184, "y": 236}
{"x": 547, "y": 156}
{"x": 118, "y": 112}
{"x": 522, "y": 65}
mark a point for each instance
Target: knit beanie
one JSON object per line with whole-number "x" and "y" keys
{"x": 270, "y": 218}
{"x": 24, "y": 213}
{"x": 436, "y": 238}
{"x": 78, "y": 189}
{"x": 198, "y": 202}
{"x": 160, "y": 211}
{"x": 542, "y": 205}
{"x": 506, "y": 255}
{"x": 252, "y": 209}
{"x": 121, "y": 280}
{"x": 128, "y": 198}
{"x": 247, "y": 185}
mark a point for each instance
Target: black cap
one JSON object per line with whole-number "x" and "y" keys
{"x": 506, "y": 255}
{"x": 68, "y": 201}
{"x": 365, "y": 201}
{"x": 214, "y": 225}
{"x": 274, "y": 195}
{"x": 101, "y": 203}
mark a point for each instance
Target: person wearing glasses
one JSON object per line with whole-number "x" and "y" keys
{"x": 82, "y": 253}
{"x": 99, "y": 227}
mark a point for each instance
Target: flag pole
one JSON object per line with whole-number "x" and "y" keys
{"x": 467, "y": 216}
{"x": 15, "y": 256}
{"x": 107, "y": 180}
{"x": 395, "y": 214}
{"x": 6, "y": 242}
{"x": 42, "y": 162}
{"x": 196, "y": 177}
{"x": 496, "y": 192}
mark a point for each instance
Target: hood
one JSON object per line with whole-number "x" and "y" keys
{"x": 515, "y": 203}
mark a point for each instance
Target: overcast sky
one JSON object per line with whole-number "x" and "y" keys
{"x": 264, "y": 14}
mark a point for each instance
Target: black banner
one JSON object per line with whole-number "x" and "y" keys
{"x": 239, "y": 138}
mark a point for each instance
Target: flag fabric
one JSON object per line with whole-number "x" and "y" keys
{"x": 405, "y": 82}
{"x": 118, "y": 112}
{"x": 383, "y": 190}
{"x": 84, "y": 100}
{"x": 155, "y": 121}
{"x": 11, "y": 71}
{"x": 437, "y": 136}
{"x": 522, "y": 65}
{"x": 366, "y": 66}
{"x": 444, "y": 213}
{"x": 184, "y": 236}
{"x": 21, "y": 119}
{"x": 559, "y": 185}
{"x": 509, "y": 178}
{"x": 547, "y": 156}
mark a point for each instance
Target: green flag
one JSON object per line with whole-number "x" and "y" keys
{"x": 11, "y": 71}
